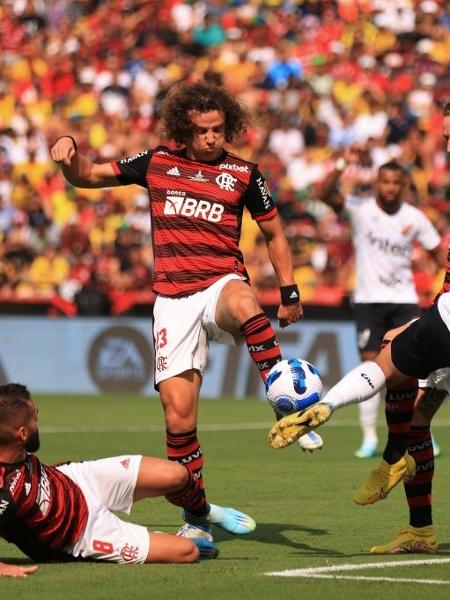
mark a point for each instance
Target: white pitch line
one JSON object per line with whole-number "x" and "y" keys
{"x": 246, "y": 426}
{"x": 383, "y": 579}
{"x": 149, "y": 428}
{"x": 325, "y": 572}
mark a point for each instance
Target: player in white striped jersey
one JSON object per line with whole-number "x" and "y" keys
{"x": 384, "y": 230}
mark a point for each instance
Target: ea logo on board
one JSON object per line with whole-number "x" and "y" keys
{"x": 120, "y": 360}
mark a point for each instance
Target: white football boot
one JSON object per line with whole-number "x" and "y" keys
{"x": 310, "y": 441}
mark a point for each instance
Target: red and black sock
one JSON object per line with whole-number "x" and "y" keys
{"x": 418, "y": 488}
{"x": 185, "y": 448}
{"x": 399, "y": 408}
{"x": 262, "y": 343}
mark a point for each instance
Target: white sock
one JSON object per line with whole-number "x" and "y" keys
{"x": 368, "y": 413}
{"x": 360, "y": 384}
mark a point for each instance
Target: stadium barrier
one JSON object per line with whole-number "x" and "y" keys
{"x": 93, "y": 355}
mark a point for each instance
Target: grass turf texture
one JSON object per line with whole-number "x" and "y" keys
{"x": 301, "y": 503}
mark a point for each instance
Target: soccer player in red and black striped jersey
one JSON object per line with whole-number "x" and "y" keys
{"x": 65, "y": 512}
{"x": 197, "y": 196}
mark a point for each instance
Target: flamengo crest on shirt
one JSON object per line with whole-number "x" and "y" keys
{"x": 190, "y": 207}
{"x": 226, "y": 182}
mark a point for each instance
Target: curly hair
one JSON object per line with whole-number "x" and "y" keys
{"x": 202, "y": 97}
{"x": 446, "y": 108}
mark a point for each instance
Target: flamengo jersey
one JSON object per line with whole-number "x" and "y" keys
{"x": 42, "y": 511}
{"x": 383, "y": 245}
{"x": 196, "y": 211}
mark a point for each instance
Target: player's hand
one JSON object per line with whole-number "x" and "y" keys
{"x": 16, "y": 570}
{"x": 63, "y": 150}
{"x": 289, "y": 314}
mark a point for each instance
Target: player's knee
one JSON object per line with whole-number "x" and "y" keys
{"x": 244, "y": 307}
{"x": 179, "y": 475}
{"x": 179, "y": 420}
{"x": 180, "y": 416}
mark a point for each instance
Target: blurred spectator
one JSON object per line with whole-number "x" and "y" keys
{"x": 316, "y": 76}
{"x": 7, "y": 212}
{"x": 286, "y": 140}
{"x": 92, "y": 299}
{"x": 48, "y": 271}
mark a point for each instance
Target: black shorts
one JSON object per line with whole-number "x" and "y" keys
{"x": 423, "y": 347}
{"x": 374, "y": 320}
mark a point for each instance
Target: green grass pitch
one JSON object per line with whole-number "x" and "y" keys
{"x": 301, "y": 503}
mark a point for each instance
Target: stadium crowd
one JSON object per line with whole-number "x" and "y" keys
{"x": 318, "y": 76}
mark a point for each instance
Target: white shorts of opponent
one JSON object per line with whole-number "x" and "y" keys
{"x": 183, "y": 327}
{"x": 108, "y": 485}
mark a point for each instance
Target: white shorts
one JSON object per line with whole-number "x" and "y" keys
{"x": 438, "y": 380}
{"x": 108, "y": 485}
{"x": 183, "y": 327}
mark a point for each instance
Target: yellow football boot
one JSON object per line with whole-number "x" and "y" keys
{"x": 288, "y": 429}
{"x": 383, "y": 479}
{"x": 421, "y": 540}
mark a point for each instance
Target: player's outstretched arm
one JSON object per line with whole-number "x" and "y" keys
{"x": 7, "y": 570}
{"x": 78, "y": 169}
{"x": 280, "y": 256}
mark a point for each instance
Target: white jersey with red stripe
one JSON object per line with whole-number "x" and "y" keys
{"x": 384, "y": 246}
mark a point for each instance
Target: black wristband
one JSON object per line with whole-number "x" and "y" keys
{"x": 290, "y": 294}
{"x": 68, "y": 136}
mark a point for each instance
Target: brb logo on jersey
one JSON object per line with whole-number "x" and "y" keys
{"x": 177, "y": 203}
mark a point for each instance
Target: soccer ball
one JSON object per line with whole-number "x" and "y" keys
{"x": 293, "y": 385}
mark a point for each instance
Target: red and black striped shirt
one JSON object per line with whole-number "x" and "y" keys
{"x": 42, "y": 510}
{"x": 196, "y": 211}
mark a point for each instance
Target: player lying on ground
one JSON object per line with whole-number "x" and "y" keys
{"x": 64, "y": 512}
{"x": 420, "y": 349}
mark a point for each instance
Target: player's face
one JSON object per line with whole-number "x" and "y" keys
{"x": 32, "y": 442}
{"x": 208, "y": 136}
{"x": 446, "y": 132}
{"x": 390, "y": 186}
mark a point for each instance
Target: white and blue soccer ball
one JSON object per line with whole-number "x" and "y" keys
{"x": 292, "y": 385}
